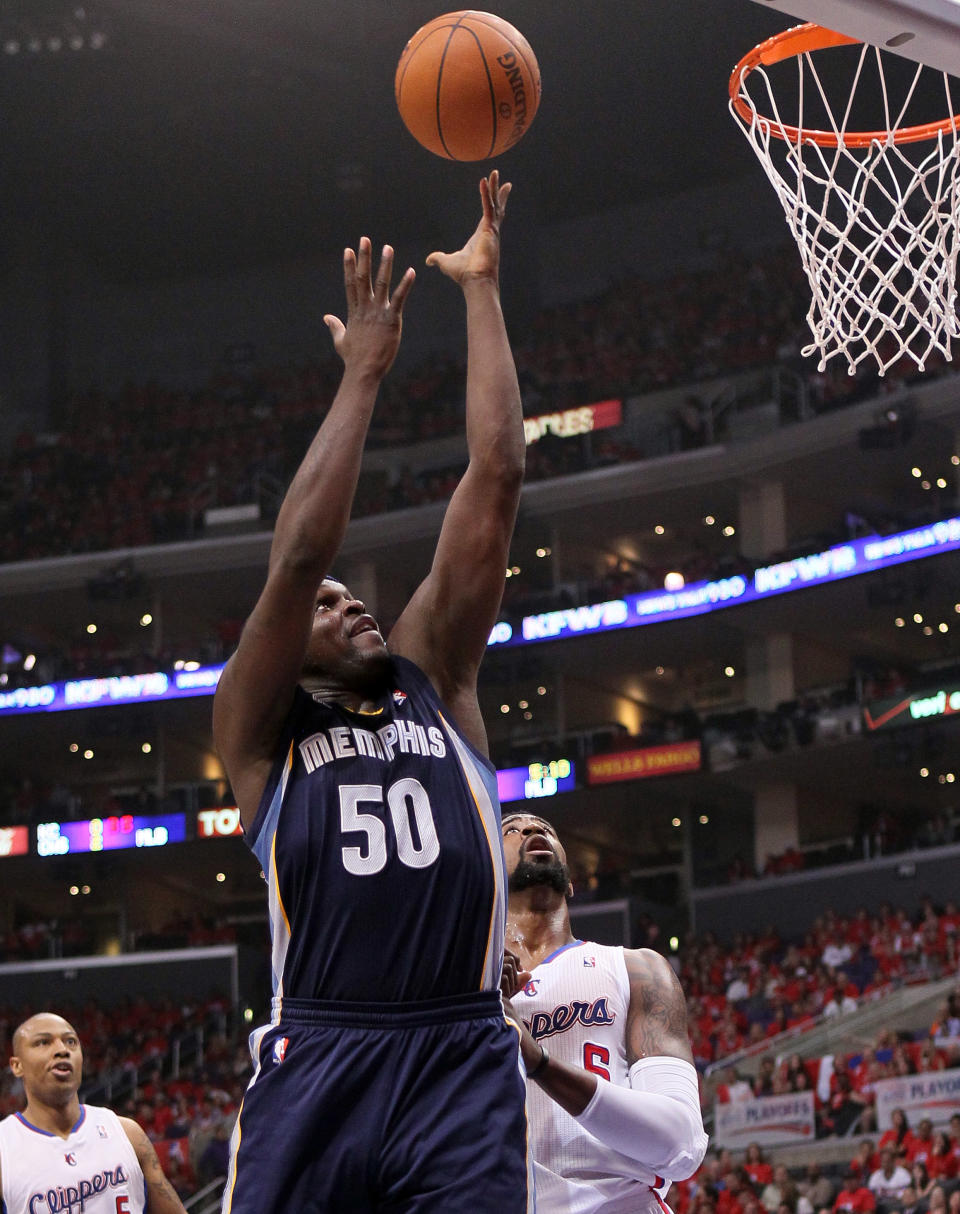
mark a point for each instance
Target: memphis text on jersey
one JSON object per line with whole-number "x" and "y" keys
{"x": 349, "y": 742}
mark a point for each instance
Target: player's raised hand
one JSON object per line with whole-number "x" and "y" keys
{"x": 480, "y": 256}
{"x": 369, "y": 341}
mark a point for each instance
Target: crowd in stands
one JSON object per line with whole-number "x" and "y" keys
{"x": 73, "y": 936}
{"x": 143, "y": 466}
{"x": 902, "y": 1172}
{"x": 761, "y": 986}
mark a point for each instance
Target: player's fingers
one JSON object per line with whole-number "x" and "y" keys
{"x": 363, "y": 268}
{"x": 437, "y": 259}
{"x": 336, "y": 327}
{"x": 403, "y": 290}
{"x": 502, "y": 195}
{"x": 350, "y": 278}
{"x": 384, "y": 274}
{"x": 487, "y": 199}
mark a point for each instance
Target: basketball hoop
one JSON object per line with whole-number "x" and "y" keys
{"x": 875, "y": 213}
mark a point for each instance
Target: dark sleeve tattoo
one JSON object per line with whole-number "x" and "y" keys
{"x": 657, "y": 1023}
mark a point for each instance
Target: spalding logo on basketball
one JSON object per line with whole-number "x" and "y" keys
{"x": 467, "y": 85}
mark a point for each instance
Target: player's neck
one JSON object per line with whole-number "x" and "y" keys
{"x": 331, "y": 693}
{"x": 55, "y": 1119}
{"x": 538, "y": 923}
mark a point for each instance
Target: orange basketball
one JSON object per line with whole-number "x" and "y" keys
{"x": 467, "y": 85}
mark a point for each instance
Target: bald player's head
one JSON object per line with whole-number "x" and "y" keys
{"x": 47, "y": 1058}
{"x": 39, "y": 1020}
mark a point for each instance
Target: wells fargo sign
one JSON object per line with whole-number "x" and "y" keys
{"x": 639, "y": 764}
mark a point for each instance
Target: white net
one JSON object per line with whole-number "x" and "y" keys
{"x": 877, "y": 225}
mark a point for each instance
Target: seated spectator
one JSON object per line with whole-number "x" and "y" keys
{"x": 838, "y": 1003}
{"x": 780, "y": 1191}
{"x": 941, "y": 1161}
{"x": 922, "y": 1147}
{"x": 890, "y": 1180}
{"x": 866, "y": 1161}
{"x": 899, "y": 1136}
{"x": 734, "y": 1090}
{"x": 937, "y": 1202}
{"x": 739, "y": 988}
{"x": 920, "y": 1181}
{"x": 817, "y": 1188}
{"x": 756, "y": 1167}
{"x": 854, "y": 1197}
{"x": 955, "y": 1138}
{"x": 736, "y": 1188}
{"x": 216, "y": 1155}
{"x": 844, "y": 1109}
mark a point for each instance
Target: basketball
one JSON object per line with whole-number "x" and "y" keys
{"x": 467, "y": 85}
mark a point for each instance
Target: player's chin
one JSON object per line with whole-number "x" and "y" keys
{"x": 368, "y": 640}
{"x": 371, "y": 658}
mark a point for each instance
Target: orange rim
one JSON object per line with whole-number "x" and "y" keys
{"x": 798, "y": 41}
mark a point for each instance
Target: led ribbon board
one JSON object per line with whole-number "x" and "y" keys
{"x": 535, "y": 780}
{"x": 14, "y": 840}
{"x": 907, "y": 709}
{"x": 122, "y": 689}
{"x": 651, "y": 607}
{"x": 110, "y": 834}
{"x": 654, "y": 606}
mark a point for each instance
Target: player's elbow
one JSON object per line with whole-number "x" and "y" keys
{"x": 689, "y": 1153}
{"x": 656, "y": 1121}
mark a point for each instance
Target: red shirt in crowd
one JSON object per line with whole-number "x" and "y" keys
{"x": 856, "y": 1201}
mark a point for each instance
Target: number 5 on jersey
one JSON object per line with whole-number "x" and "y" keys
{"x": 409, "y": 807}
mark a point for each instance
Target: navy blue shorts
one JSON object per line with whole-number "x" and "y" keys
{"x": 400, "y": 1107}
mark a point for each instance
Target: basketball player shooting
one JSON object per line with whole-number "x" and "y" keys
{"x": 614, "y": 1105}
{"x": 59, "y": 1154}
{"x": 388, "y": 1077}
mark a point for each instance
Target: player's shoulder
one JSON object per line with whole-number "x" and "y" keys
{"x": 647, "y": 965}
{"x": 135, "y": 1132}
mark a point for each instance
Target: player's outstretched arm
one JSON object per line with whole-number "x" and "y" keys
{"x": 657, "y": 1120}
{"x": 161, "y": 1195}
{"x": 257, "y": 686}
{"x": 447, "y": 622}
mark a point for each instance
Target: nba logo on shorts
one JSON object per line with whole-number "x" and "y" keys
{"x": 280, "y": 1049}
{"x": 71, "y": 1159}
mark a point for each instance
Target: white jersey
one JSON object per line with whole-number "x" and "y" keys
{"x": 576, "y": 1004}
{"x": 94, "y": 1170}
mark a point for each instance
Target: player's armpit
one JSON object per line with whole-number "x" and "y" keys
{"x": 161, "y": 1195}
{"x": 657, "y": 1020}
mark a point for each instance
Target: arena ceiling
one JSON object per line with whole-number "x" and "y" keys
{"x": 195, "y": 135}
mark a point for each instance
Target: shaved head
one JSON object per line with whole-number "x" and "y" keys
{"x": 40, "y": 1021}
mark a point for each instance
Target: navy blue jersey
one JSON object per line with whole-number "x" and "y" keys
{"x": 379, "y": 836}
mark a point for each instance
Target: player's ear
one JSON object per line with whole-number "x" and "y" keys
{"x": 569, "y": 890}
{"x": 16, "y": 1066}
